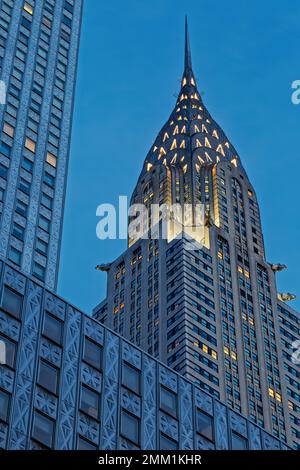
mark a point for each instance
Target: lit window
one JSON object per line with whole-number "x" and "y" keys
{"x": 214, "y": 355}
{"x": 226, "y": 350}
{"x": 271, "y": 393}
{"x": 8, "y": 129}
{"x": 204, "y": 348}
{"x": 51, "y": 159}
{"x": 30, "y": 145}
{"x": 28, "y": 8}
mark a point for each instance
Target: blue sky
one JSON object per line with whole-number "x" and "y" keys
{"x": 245, "y": 57}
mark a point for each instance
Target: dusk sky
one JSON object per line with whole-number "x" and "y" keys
{"x": 245, "y": 58}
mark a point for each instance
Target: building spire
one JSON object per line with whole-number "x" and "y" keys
{"x": 187, "y": 48}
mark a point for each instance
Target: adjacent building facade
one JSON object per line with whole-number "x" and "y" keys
{"x": 204, "y": 299}
{"x": 68, "y": 383}
{"x": 39, "y": 43}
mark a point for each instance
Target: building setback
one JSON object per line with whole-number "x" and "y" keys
{"x": 71, "y": 383}
{"x": 204, "y": 300}
{"x": 39, "y": 43}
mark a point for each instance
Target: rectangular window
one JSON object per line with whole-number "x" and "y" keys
{"x": 44, "y": 223}
{"x": 130, "y": 427}
{"x": 28, "y": 8}
{"x": 24, "y": 186}
{"x": 3, "y": 171}
{"x": 18, "y": 231}
{"x": 43, "y": 429}
{"x": 168, "y": 401}
{"x": 10, "y": 351}
{"x": 4, "y": 405}
{"x": 15, "y": 255}
{"x": 27, "y": 165}
{"x": 11, "y": 302}
{"x": 8, "y": 129}
{"x": 205, "y": 425}
{"x": 39, "y": 271}
{"x": 21, "y": 208}
{"x": 48, "y": 377}
{"x": 89, "y": 402}
{"x": 131, "y": 378}
{"x": 41, "y": 246}
{"x": 30, "y": 145}
{"x": 49, "y": 180}
{"x": 165, "y": 443}
{"x": 83, "y": 444}
{"x": 51, "y": 159}
{"x": 238, "y": 442}
{"x": 47, "y": 201}
{"x": 53, "y": 328}
{"x": 92, "y": 353}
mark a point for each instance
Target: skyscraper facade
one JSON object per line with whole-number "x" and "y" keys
{"x": 39, "y": 43}
{"x": 203, "y": 299}
{"x": 69, "y": 383}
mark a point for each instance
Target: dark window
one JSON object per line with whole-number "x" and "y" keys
{"x": 12, "y": 302}
{"x": 4, "y": 405}
{"x": 24, "y": 186}
{"x": 89, "y": 402}
{"x": 48, "y": 377}
{"x": 21, "y": 208}
{"x": 49, "y": 180}
{"x": 168, "y": 401}
{"x": 53, "y": 328}
{"x": 46, "y": 201}
{"x": 43, "y": 429}
{"x": 130, "y": 427}
{"x": 41, "y": 246}
{"x": 131, "y": 378}
{"x": 92, "y": 353}
{"x": 8, "y": 352}
{"x": 165, "y": 443}
{"x": 15, "y": 255}
{"x": 205, "y": 425}
{"x": 238, "y": 442}
{"x": 18, "y": 231}
{"x": 38, "y": 271}
{"x": 85, "y": 445}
